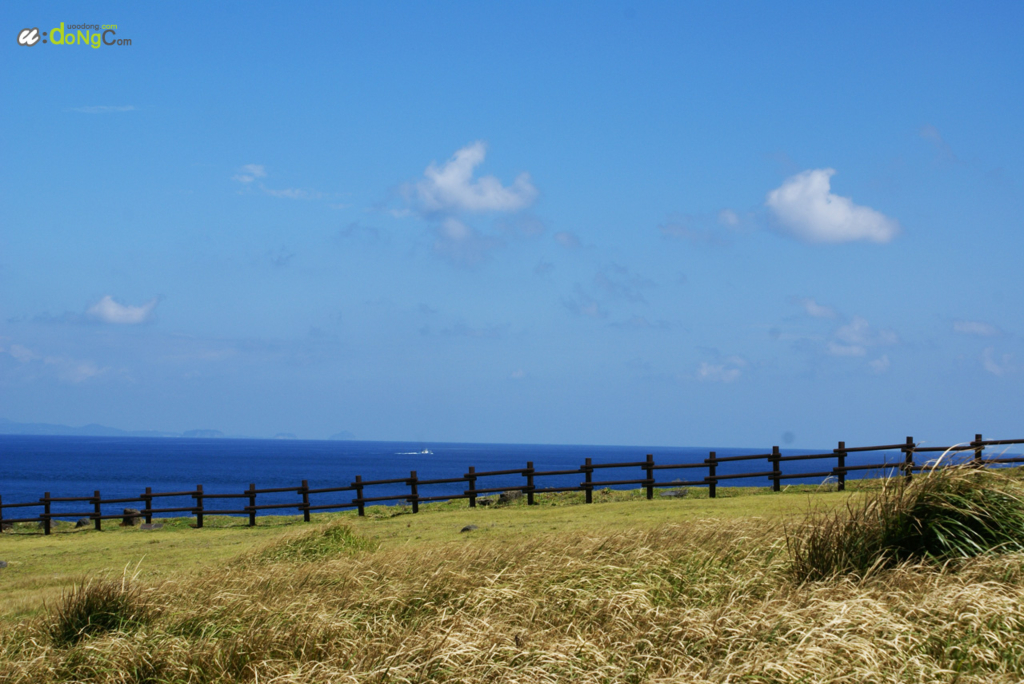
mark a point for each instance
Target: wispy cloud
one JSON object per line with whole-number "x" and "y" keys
{"x": 250, "y": 172}
{"x": 698, "y": 230}
{"x": 543, "y": 268}
{"x": 879, "y": 365}
{"x": 855, "y": 337}
{"x": 728, "y": 217}
{"x": 1003, "y": 365}
{"x": 729, "y": 370}
{"x": 583, "y": 304}
{"x": 281, "y": 256}
{"x": 104, "y": 109}
{"x": 487, "y": 332}
{"x": 641, "y": 323}
{"x": 943, "y": 152}
{"x": 293, "y": 193}
{"x": 976, "y": 328}
{"x": 65, "y": 368}
{"x": 805, "y": 208}
{"x": 619, "y": 281}
{"x": 450, "y": 188}
{"x": 816, "y": 310}
{"x": 462, "y": 244}
{"x": 568, "y": 239}
{"x": 109, "y": 311}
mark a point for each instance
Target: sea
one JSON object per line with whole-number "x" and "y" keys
{"x": 123, "y": 467}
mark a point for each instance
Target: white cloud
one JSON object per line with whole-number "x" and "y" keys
{"x": 250, "y": 172}
{"x": 805, "y": 207}
{"x": 880, "y": 365}
{"x": 728, "y": 371}
{"x": 854, "y": 338}
{"x": 975, "y": 328}
{"x": 568, "y": 240}
{"x": 450, "y": 188}
{"x": 728, "y": 217}
{"x": 22, "y": 354}
{"x": 67, "y": 369}
{"x": 109, "y": 311}
{"x": 104, "y": 109}
{"x": 76, "y": 371}
{"x": 816, "y": 310}
{"x": 998, "y": 367}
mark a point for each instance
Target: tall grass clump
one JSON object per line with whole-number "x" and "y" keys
{"x": 316, "y": 544}
{"x": 946, "y": 512}
{"x": 95, "y": 606}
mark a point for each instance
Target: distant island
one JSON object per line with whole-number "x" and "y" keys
{"x": 203, "y": 434}
{"x": 10, "y": 427}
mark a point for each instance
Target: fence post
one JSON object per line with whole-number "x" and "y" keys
{"x": 978, "y": 448}
{"x": 415, "y": 498}
{"x": 199, "y": 506}
{"x": 908, "y": 459}
{"x": 305, "y": 500}
{"x": 529, "y": 483}
{"x": 252, "y": 504}
{"x": 775, "y": 468}
{"x": 471, "y": 477}
{"x": 589, "y": 477}
{"x": 96, "y": 510}
{"x": 358, "y": 484}
{"x": 841, "y": 467}
{"x": 46, "y": 512}
{"x": 148, "y": 511}
{"x": 649, "y": 468}
{"x": 712, "y": 462}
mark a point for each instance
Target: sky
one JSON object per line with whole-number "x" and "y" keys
{"x": 727, "y": 224}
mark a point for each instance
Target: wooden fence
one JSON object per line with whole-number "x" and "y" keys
{"x": 775, "y": 474}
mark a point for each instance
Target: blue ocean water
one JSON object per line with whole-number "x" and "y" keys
{"x": 122, "y": 467}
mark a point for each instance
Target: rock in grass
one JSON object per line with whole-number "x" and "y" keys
{"x": 469, "y": 528}
{"x": 150, "y": 526}
{"x": 131, "y": 517}
{"x": 509, "y": 496}
{"x": 676, "y": 493}
{"x": 82, "y": 522}
{"x": 3, "y": 564}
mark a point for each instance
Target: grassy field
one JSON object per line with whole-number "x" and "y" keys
{"x": 625, "y": 590}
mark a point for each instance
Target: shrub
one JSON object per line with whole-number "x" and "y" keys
{"x": 95, "y": 606}
{"x": 949, "y": 512}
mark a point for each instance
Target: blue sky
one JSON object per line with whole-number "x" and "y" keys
{"x": 728, "y": 224}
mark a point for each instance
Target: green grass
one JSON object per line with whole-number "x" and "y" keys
{"x": 41, "y": 566}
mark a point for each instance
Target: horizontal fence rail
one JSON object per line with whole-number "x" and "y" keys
{"x": 201, "y": 503}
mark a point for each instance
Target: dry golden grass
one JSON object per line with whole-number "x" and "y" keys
{"x": 698, "y": 601}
